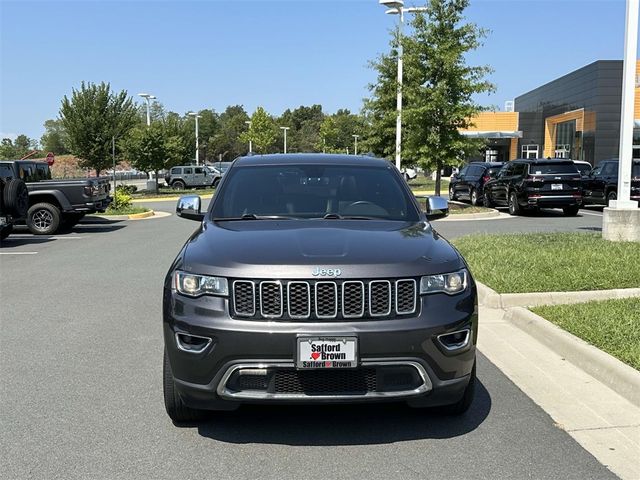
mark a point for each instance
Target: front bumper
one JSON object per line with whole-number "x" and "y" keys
{"x": 204, "y": 380}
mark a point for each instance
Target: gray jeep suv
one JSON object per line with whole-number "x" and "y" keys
{"x": 316, "y": 278}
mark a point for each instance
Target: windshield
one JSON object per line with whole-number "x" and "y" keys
{"x": 314, "y": 191}
{"x": 552, "y": 168}
{"x": 583, "y": 168}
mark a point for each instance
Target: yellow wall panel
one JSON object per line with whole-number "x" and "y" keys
{"x": 494, "y": 121}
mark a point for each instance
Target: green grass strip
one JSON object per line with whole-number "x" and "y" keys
{"x": 611, "y": 325}
{"x": 548, "y": 262}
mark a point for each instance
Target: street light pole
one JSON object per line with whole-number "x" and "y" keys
{"x": 196, "y": 116}
{"x": 396, "y": 7}
{"x": 284, "y": 129}
{"x": 148, "y": 97}
{"x": 248, "y": 122}
{"x": 355, "y": 146}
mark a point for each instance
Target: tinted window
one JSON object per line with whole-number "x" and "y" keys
{"x": 475, "y": 171}
{"x": 583, "y": 168}
{"x": 610, "y": 168}
{"x": 635, "y": 170}
{"x": 313, "y": 191}
{"x": 519, "y": 169}
{"x": 493, "y": 171}
{"x": 551, "y": 168}
{"x": 464, "y": 171}
{"x": 176, "y": 171}
{"x": 188, "y": 171}
{"x": 199, "y": 170}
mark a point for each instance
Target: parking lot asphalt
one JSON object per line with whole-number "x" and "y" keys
{"x": 81, "y": 391}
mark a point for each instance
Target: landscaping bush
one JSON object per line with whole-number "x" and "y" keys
{"x": 121, "y": 199}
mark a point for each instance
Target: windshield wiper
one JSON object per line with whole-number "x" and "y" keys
{"x": 252, "y": 216}
{"x": 336, "y": 216}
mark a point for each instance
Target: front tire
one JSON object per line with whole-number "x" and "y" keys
{"x": 612, "y": 195}
{"x": 487, "y": 200}
{"x": 452, "y": 194}
{"x": 173, "y": 404}
{"x": 178, "y": 185}
{"x": 514, "y": 206}
{"x": 43, "y": 219}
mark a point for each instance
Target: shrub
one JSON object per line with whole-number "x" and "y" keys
{"x": 121, "y": 199}
{"x": 128, "y": 189}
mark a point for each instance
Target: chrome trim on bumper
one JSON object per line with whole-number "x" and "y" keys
{"x": 223, "y": 392}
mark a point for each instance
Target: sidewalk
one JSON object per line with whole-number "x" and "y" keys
{"x": 603, "y": 422}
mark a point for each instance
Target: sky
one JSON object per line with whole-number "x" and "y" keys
{"x": 276, "y": 54}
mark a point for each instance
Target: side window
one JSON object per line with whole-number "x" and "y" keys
{"x": 475, "y": 171}
{"x": 610, "y": 168}
{"x": 506, "y": 170}
{"x": 199, "y": 170}
{"x": 188, "y": 171}
{"x": 176, "y": 171}
{"x": 464, "y": 171}
{"x": 5, "y": 171}
{"x": 519, "y": 169}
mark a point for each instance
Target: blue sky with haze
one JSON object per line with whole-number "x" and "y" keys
{"x": 278, "y": 54}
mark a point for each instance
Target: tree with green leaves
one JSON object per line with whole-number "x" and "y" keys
{"x": 304, "y": 123}
{"x": 337, "y": 130}
{"x": 440, "y": 85}
{"x": 226, "y": 142}
{"x": 18, "y": 148}
{"x": 54, "y": 137}
{"x": 91, "y": 118}
{"x": 263, "y": 132}
{"x": 155, "y": 147}
{"x": 379, "y": 109}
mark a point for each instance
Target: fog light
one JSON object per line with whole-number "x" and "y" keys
{"x": 455, "y": 340}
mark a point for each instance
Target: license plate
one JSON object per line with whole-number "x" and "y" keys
{"x": 556, "y": 186}
{"x": 327, "y": 352}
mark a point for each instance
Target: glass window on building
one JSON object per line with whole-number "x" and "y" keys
{"x": 568, "y": 141}
{"x": 530, "y": 151}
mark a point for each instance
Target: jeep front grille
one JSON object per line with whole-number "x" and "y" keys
{"x": 323, "y": 300}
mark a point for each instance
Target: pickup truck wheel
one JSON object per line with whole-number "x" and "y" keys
{"x": 5, "y": 231}
{"x": 43, "y": 219}
{"x": 178, "y": 185}
{"x": 173, "y": 404}
{"x": 612, "y": 195}
{"x": 462, "y": 405}
{"x": 16, "y": 197}
{"x": 514, "y": 206}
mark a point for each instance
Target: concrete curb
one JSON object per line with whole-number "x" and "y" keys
{"x": 473, "y": 216}
{"x": 610, "y": 371}
{"x": 138, "y": 216}
{"x": 492, "y": 299}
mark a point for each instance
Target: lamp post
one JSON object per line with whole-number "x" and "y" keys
{"x": 396, "y": 7}
{"x": 196, "y": 116}
{"x": 148, "y": 97}
{"x": 355, "y": 146}
{"x": 284, "y": 130}
{"x": 248, "y": 122}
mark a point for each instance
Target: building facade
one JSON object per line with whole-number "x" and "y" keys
{"x": 577, "y": 116}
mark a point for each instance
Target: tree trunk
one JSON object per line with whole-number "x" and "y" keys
{"x": 438, "y": 176}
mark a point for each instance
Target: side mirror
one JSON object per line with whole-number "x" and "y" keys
{"x": 437, "y": 207}
{"x": 189, "y": 207}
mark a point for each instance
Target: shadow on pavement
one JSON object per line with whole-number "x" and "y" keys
{"x": 363, "y": 424}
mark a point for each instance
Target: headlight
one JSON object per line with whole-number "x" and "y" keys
{"x": 449, "y": 283}
{"x": 196, "y": 285}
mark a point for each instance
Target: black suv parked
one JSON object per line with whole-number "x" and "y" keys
{"x": 534, "y": 183}
{"x": 317, "y": 278}
{"x": 601, "y": 185}
{"x": 469, "y": 183}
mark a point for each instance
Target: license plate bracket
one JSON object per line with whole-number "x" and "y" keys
{"x": 326, "y": 353}
{"x": 556, "y": 186}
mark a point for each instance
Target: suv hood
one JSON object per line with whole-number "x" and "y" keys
{"x": 293, "y": 248}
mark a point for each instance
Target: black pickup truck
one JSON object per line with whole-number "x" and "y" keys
{"x": 56, "y": 203}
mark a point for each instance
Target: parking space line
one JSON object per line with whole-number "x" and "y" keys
{"x": 23, "y": 236}
{"x": 18, "y": 253}
{"x": 591, "y": 213}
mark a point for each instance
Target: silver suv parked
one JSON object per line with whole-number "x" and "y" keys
{"x": 190, "y": 176}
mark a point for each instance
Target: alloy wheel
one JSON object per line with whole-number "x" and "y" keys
{"x": 42, "y": 219}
